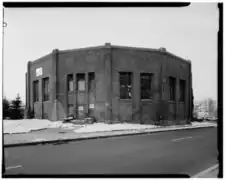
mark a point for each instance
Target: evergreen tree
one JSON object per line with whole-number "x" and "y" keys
{"x": 192, "y": 104}
{"x": 16, "y": 109}
{"x": 6, "y": 108}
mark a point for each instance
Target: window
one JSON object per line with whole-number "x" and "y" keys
{"x": 81, "y": 81}
{"x": 91, "y": 83}
{"x": 125, "y": 85}
{"x": 145, "y": 85}
{"x": 70, "y": 85}
{"x": 182, "y": 90}
{"x": 45, "y": 89}
{"x": 35, "y": 91}
{"x": 172, "y": 85}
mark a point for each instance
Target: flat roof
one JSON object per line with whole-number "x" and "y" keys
{"x": 108, "y": 45}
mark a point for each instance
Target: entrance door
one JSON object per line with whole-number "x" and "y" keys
{"x": 126, "y": 96}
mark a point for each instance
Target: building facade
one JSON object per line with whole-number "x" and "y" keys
{"x": 111, "y": 83}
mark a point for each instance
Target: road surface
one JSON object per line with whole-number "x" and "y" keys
{"x": 174, "y": 152}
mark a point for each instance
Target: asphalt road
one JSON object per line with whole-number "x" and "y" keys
{"x": 175, "y": 152}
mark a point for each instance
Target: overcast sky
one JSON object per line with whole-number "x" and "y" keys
{"x": 189, "y": 32}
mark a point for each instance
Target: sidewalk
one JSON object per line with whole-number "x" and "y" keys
{"x": 211, "y": 172}
{"x": 59, "y": 135}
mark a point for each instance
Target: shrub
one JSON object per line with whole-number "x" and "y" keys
{"x": 16, "y": 110}
{"x": 6, "y": 108}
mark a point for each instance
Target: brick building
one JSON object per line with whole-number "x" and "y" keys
{"x": 111, "y": 83}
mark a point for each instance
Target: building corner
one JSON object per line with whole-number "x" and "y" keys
{"x": 108, "y": 82}
{"x": 54, "y": 115}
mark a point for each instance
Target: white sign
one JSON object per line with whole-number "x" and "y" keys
{"x": 39, "y": 71}
{"x": 91, "y": 106}
{"x": 81, "y": 85}
{"x": 80, "y": 108}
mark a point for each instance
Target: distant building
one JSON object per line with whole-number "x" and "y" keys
{"x": 112, "y": 83}
{"x": 206, "y": 109}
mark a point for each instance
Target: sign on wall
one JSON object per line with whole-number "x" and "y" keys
{"x": 39, "y": 71}
{"x": 81, "y": 85}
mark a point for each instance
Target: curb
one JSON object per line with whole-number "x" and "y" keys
{"x": 203, "y": 173}
{"x": 61, "y": 141}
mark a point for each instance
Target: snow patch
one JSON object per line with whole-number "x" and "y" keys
{"x": 101, "y": 127}
{"x": 203, "y": 124}
{"x": 38, "y": 140}
{"x": 28, "y": 125}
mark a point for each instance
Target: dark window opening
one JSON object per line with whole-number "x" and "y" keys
{"x": 125, "y": 85}
{"x": 81, "y": 81}
{"x": 70, "y": 84}
{"x": 172, "y": 85}
{"x": 146, "y": 85}
{"x": 182, "y": 90}
{"x": 91, "y": 79}
{"x": 46, "y": 89}
{"x": 36, "y": 91}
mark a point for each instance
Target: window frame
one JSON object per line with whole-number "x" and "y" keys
{"x": 129, "y": 82}
{"x": 45, "y": 90}
{"x": 172, "y": 87}
{"x": 70, "y": 79}
{"x": 91, "y": 74}
{"x": 184, "y": 90}
{"x": 36, "y": 91}
{"x": 78, "y": 79}
{"x": 150, "y": 78}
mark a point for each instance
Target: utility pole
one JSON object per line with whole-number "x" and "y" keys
{"x": 4, "y": 24}
{"x": 3, "y": 27}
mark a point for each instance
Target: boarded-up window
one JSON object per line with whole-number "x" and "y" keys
{"x": 36, "y": 91}
{"x": 45, "y": 89}
{"x": 70, "y": 84}
{"x": 146, "y": 85}
{"x": 182, "y": 90}
{"x": 172, "y": 86}
{"x": 125, "y": 85}
{"x": 81, "y": 81}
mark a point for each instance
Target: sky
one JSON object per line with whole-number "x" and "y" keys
{"x": 189, "y": 32}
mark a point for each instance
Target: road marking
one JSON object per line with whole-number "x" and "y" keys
{"x": 13, "y": 167}
{"x": 181, "y": 139}
{"x": 206, "y": 171}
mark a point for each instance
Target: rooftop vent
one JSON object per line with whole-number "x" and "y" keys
{"x": 162, "y": 49}
{"x": 108, "y": 44}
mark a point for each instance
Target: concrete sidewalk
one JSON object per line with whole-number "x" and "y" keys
{"x": 211, "y": 172}
{"x": 58, "y": 135}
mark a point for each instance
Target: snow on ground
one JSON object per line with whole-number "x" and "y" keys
{"x": 100, "y": 127}
{"x": 203, "y": 124}
{"x": 28, "y": 125}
